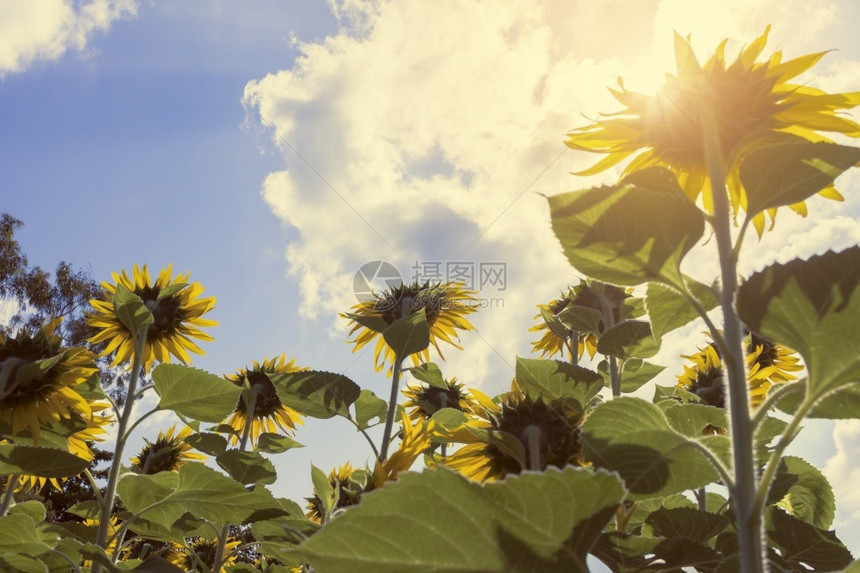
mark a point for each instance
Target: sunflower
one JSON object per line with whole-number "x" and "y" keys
{"x": 176, "y": 308}
{"x": 585, "y": 295}
{"x": 768, "y": 363}
{"x": 142, "y": 548}
{"x": 269, "y": 413}
{"x": 349, "y": 483}
{"x": 79, "y": 445}
{"x": 167, "y": 454}
{"x": 752, "y": 103}
{"x": 415, "y": 439}
{"x": 39, "y": 380}
{"x": 200, "y": 551}
{"x": 546, "y": 434}
{"x": 424, "y": 400}
{"x": 446, "y": 306}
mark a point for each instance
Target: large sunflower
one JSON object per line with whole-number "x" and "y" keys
{"x": 446, "y": 306}
{"x": 768, "y": 363}
{"x": 516, "y": 432}
{"x": 39, "y": 380}
{"x": 752, "y": 102}
{"x": 177, "y": 317}
{"x": 582, "y": 295}
{"x": 168, "y": 452}
{"x": 269, "y": 413}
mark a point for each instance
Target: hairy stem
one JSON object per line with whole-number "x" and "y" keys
{"x": 7, "y": 495}
{"x": 749, "y": 517}
{"x": 122, "y": 437}
{"x": 392, "y": 407}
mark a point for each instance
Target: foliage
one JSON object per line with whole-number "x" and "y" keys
{"x": 569, "y": 463}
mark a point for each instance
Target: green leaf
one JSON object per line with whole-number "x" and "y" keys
{"x": 430, "y": 374}
{"x": 247, "y": 467}
{"x": 276, "y": 443}
{"x": 449, "y": 418}
{"x": 164, "y": 498}
{"x": 634, "y": 373}
{"x": 33, "y": 509}
{"x": 372, "y": 322}
{"x": 668, "y": 309}
{"x": 803, "y": 545}
{"x": 408, "y": 335}
{"x": 194, "y": 393}
{"x": 88, "y": 509}
{"x": 810, "y": 497}
{"x": 130, "y": 309}
{"x": 553, "y": 379}
{"x": 532, "y": 522}
{"x": 315, "y": 393}
{"x": 634, "y": 438}
{"x": 841, "y": 404}
{"x": 21, "y": 563}
{"x": 789, "y": 173}
{"x": 686, "y": 522}
{"x": 555, "y": 325}
{"x": 812, "y": 306}
{"x": 18, "y": 535}
{"x": 43, "y": 462}
{"x": 625, "y": 234}
{"x": 581, "y": 318}
{"x": 324, "y": 490}
{"x": 369, "y": 406}
{"x": 208, "y": 443}
{"x": 629, "y": 339}
{"x": 171, "y": 290}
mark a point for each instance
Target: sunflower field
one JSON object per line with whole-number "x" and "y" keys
{"x": 569, "y": 467}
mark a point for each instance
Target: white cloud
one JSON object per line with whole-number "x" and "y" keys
{"x": 419, "y": 127}
{"x": 45, "y": 29}
{"x": 843, "y": 471}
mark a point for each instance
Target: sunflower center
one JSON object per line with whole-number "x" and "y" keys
{"x": 442, "y": 397}
{"x": 167, "y": 313}
{"x": 769, "y": 354}
{"x": 205, "y": 552}
{"x": 742, "y": 101}
{"x": 163, "y": 455}
{"x": 540, "y": 426}
{"x": 407, "y": 300}
{"x": 267, "y": 402}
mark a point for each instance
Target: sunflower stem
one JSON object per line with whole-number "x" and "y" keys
{"x": 787, "y": 437}
{"x": 773, "y": 398}
{"x": 219, "y": 552}
{"x": 96, "y": 493}
{"x": 392, "y": 407}
{"x": 532, "y": 436}
{"x": 573, "y": 345}
{"x": 113, "y": 476}
{"x": 249, "y": 419}
{"x": 7, "y": 495}
{"x": 702, "y": 498}
{"x": 749, "y": 515}
{"x": 614, "y": 377}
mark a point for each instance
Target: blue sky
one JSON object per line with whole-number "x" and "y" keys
{"x": 270, "y": 148}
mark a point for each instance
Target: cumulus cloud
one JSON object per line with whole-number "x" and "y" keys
{"x": 843, "y": 472}
{"x": 426, "y": 131}
{"x": 46, "y": 29}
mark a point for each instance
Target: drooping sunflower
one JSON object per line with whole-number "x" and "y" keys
{"x": 269, "y": 413}
{"x": 768, "y": 363}
{"x": 582, "y": 295}
{"x": 201, "y": 551}
{"x": 168, "y": 453}
{"x": 424, "y": 400}
{"x": 349, "y": 483}
{"x": 515, "y": 433}
{"x": 142, "y": 548}
{"x": 78, "y": 444}
{"x": 752, "y": 102}
{"x": 446, "y": 306}
{"x": 40, "y": 380}
{"x": 177, "y": 310}
{"x": 415, "y": 439}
